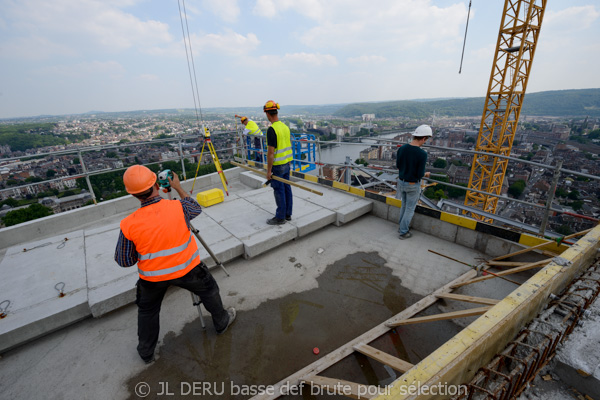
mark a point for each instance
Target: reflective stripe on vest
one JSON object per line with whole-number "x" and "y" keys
{"x": 253, "y": 128}
{"x": 283, "y": 152}
{"x": 163, "y": 253}
{"x": 165, "y": 246}
{"x": 172, "y": 269}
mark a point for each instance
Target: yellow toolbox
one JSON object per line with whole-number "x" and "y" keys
{"x": 210, "y": 197}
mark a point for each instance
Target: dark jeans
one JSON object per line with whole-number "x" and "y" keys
{"x": 282, "y": 191}
{"x": 150, "y": 295}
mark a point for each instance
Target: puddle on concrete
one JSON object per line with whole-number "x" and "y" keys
{"x": 276, "y": 339}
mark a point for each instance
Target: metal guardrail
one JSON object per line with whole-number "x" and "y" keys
{"x": 349, "y": 166}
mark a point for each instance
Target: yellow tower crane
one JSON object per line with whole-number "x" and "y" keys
{"x": 517, "y": 40}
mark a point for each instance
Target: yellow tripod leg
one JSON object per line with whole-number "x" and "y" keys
{"x": 198, "y": 167}
{"x": 213, "y": 153}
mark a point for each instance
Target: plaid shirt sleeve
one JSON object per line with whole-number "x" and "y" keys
{"x": 125, "y": 253}
{"x": 191, "y": 209}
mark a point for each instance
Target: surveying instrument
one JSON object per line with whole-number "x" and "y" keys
{"x": 163, "y": 182}
{"x": 215, "y": 158}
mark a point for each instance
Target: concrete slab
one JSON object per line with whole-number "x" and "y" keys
{"x": 347, "y": 207}
{"x": 307, "y": 217}
{"x": 252, "y": 180}
{"x": 109, "y": 285}
{"x": 28, "y": 282}
{"x": 102, "y": 352}
{"x": 221, "y": 242}
{"x": 247, "y": 223}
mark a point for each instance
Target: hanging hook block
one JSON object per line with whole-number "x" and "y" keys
{"x": 60, "y": 287}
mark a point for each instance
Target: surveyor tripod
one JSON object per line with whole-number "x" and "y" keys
{"x": 195, "y": 299}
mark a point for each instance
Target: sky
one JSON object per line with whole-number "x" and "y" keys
{"x": 75, "y": 56}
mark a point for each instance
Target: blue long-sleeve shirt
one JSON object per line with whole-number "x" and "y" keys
{"x": 410, "y": 161}
{"x": 126, "y": 254}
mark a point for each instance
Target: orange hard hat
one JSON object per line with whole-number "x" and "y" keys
{"x": 244, "y": 119}
{"x": 138, "y": 179}
{"x": 270, "y": 105}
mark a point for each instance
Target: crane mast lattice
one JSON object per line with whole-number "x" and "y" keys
{"x": 517, "y": 40}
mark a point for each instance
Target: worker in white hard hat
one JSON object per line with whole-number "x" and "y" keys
{"x": 410, "y": 161}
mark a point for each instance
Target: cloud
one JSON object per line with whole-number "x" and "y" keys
{"x": 229, "y": 43}
{"x": 313, "y": 9}
{"x": 367, "y": 60}
{"x": 33, "y": 48}
{"x": 314, "y": 59}
{"x": 227, "y": 10}
{"x": 292, "y": 61}
{"x": 148, "y": 77}
{"x": 392, "y": 24}
{"x": 87, "y": 70}
{"x": 84, "y": 24}
{"x": 571, "y": 19}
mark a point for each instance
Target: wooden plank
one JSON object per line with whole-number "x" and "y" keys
{"x": 439, "y": 317}
{"x": 367, "y": 337}
{"x": 505, "y": 263}
{"x": 528, "y": 249}
{"x": 263, "y": 173}
{"x": 525, "y": 267}
{"x": 341, "y": 387}
{"x": 383, "y": 357}
{"x": 469, "y": 299}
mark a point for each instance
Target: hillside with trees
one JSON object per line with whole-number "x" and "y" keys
{"x": 21, "y": 137}
{"x": 559, "y": 103}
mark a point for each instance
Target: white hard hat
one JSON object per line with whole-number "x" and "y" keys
{"x": 423, "y": 130}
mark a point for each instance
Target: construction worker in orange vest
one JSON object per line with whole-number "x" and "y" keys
{"x": 157, "y": 237}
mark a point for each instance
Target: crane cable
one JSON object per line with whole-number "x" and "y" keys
{"x": 190, "y": 57}
{"x": 465, "y": 41}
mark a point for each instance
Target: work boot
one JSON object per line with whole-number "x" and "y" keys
{"x": 275, "y": 221}
{"x": 407, "y": 235}
{"x": 149, "y": 360}
{"x": 232, "y": 313}
{"x": 288, "y": 218}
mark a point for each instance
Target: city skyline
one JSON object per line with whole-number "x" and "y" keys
{"x": 67, "y": 57}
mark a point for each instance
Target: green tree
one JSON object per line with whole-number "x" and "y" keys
{"x": 50, "y": 173}
{"x": 32, "y": 212}
{"x": 361, "y": 161}
{"x": 560, "y": 192}
{"x": 517, "y": 188}
{"x": 111, "y": 154}
{"x": 454, "y": 193}
{"x": 573, "y": 195}
{"x": 10, "y": 202}
{"x": 564, "y": 230}
{"x": 577, "y": 205}
{"x": 440, "y": 163}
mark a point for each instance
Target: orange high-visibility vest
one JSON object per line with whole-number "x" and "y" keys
{"x": 166, "y": 248}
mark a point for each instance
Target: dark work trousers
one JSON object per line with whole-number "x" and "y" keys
{"x": 150, "y": 295}
{"x": 282, "y": 191}
{"x": 258, "y": 153}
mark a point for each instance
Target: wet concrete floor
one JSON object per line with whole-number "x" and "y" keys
{"x": 273, "y": 341}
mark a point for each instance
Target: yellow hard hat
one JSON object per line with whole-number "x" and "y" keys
{"x": 244, "y": 119}
{"x": 270, "y": 105}
{"x": 138, "y": 179}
